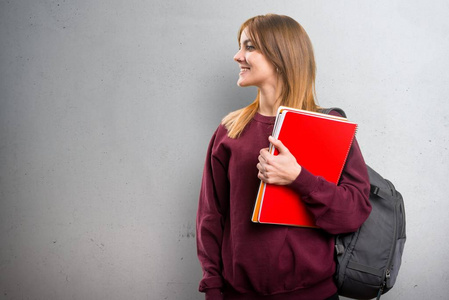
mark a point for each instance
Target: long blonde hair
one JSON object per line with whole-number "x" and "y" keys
{"x": 286, "y": 44}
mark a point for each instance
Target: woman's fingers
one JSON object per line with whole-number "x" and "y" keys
{"x": 277, "y": 169}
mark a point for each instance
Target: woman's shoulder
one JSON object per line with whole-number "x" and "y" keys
{"x": 221, "y": 130}
{"x": 220, "y": 134}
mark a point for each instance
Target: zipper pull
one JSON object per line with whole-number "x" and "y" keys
{"x": 384, "y": 284}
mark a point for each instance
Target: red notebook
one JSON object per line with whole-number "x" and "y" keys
{"x": 320, "y": 143}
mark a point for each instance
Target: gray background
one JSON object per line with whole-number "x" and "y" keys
{"x": 107, "y": 107}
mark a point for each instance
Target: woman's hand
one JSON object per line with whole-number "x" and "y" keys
{"x": 281, "y": 169}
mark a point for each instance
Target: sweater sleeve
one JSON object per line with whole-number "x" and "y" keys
{"x": 338, "y": 208}
{"x": 212, "y": 207}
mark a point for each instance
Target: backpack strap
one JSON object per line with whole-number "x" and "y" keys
{"x": 380, "y": 192}
{"x": 337, "y": 109}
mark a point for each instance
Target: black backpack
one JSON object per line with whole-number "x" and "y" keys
{"x": 369, "y": 259}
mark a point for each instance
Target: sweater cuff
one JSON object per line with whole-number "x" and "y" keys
{"x": 305, "y": 184}
{"x": 214, "y": 294}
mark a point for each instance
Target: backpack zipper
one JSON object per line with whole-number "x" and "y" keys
{"x": 395, "y": 238}
{"x": 384, "y": 284}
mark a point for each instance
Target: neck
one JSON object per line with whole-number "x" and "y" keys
{"x": 269, "y": 100}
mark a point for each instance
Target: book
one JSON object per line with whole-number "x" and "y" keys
{"x": 320, "y": 143}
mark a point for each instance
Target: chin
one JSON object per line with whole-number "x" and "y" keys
{"x": 242, "y": 84}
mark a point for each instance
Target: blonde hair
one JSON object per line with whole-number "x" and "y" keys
{"x": 286, "y": 44}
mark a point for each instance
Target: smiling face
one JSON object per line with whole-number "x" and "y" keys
{"x": 255, "y": 68}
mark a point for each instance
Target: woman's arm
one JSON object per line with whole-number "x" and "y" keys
{"x": 336, "y": 208}
{"x": 212, "y": 207}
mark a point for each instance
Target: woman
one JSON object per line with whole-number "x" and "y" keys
{"x": 244, "y": 260}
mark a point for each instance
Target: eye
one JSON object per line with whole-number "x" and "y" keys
{"x": 250, "y": 48}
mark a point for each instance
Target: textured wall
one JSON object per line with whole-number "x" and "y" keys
{"x": 106, "y": 109}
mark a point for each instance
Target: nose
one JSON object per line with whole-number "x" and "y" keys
{"x": 238, "y": 57}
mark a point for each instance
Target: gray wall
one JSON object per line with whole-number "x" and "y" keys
{"x": 107, "y": 107}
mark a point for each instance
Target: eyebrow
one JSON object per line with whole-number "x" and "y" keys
{"x": 245, "y": 42}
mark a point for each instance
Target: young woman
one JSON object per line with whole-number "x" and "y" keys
{"x": 244, "y": 260}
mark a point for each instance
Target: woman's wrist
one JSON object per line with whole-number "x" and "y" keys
{"x": 295, "y": 172}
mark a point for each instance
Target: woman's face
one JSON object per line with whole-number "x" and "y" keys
{"x": 255, "y": 69}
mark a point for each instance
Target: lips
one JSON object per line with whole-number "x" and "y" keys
{"x": 244, "y": 69}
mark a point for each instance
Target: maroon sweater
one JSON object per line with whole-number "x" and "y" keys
{"x": 244, "y": 260}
